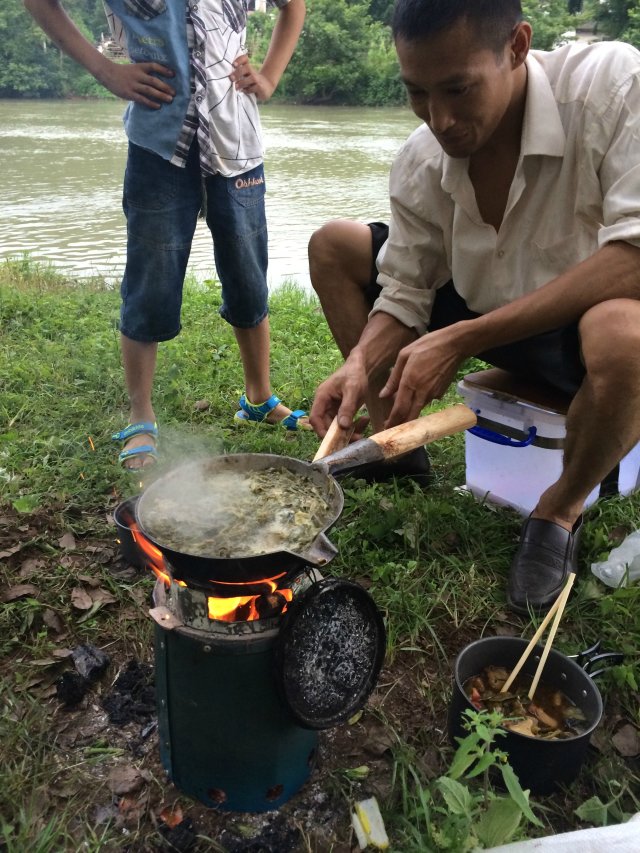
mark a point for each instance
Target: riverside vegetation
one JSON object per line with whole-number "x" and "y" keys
{"x": 345, "y": 54}
{"x": 434, "y": 561}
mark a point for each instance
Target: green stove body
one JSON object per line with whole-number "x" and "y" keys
{"x": 226, "y": 737}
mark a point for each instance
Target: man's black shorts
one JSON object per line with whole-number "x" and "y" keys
{"x": 553, "y": 356}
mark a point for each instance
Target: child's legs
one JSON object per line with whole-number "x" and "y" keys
{"x": 161, "y": 204}
{"x": 236, "y": 218}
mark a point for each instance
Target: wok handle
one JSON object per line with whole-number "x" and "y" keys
{"x": 400, "y": 439}
{"x": 404, "y": 437}
{"x": 335, "y": 439}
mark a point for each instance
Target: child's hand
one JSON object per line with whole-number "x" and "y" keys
{"x": 138, "y": 81}
{"x": 247, "y": 79}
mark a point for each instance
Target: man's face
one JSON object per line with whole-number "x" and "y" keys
{"x": 461, "y": 91}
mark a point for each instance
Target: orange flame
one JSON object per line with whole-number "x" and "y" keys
{"x": 238, "y": 608}
{"x": 244, "y": 608}
{"x": 155, "y": 558}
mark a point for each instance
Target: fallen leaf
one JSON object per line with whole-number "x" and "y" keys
{"x": 10, "y": 552}
{"x": 21, "y": 590}
{"x": 172, "y": 816}
{"x": 102, "y": 596}
{"x": 31, "y": 567}
{"x": 61, "y": 653}
{"x": 90, "y": 580}
{"x": 68, "y": 541}
{"x": 53, "y": 621}
{"x": 627, "y": 741}
{"x": 81, "y": 599}
{"x": 125, "y": 779}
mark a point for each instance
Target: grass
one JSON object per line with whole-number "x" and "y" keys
{"x": 434, "y": 561}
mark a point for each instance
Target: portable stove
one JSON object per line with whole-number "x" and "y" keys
{"x": 225, "y": 736}
{"x": 247, "y": 673}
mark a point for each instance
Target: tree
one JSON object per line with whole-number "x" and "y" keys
{"x": 549, "y": 19}
{"x": 342, "y": 57}
{"x": 31, "y": 65}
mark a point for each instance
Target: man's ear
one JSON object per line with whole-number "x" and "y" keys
{"x": 520, "y": 43}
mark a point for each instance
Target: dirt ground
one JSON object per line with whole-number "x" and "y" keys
{"x": 95, "y": 683}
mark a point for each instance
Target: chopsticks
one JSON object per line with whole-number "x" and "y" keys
{"x": 556, "y": 611}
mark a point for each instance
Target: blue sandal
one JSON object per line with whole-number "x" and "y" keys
{"x": 257, "y": 414}
{"x": 141, "y": 428}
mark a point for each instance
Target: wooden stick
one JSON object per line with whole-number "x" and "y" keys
{"x": 335, "y": 439}
{"x": 547, "y": 648}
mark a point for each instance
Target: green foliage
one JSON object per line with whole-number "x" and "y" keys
{"x": 460, "y": 816}
{"x": 549, "y": 19}
{"x": 31, "y": 66}
{"x": 344, "y": 56}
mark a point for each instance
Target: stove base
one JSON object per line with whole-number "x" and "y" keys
{"x": 226, "y": 739}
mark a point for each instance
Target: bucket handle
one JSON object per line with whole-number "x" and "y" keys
{"x": 498, "y": 438}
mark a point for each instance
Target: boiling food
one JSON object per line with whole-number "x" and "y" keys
{"x": 238, "y": 514}
{"x": 549, "y": 715}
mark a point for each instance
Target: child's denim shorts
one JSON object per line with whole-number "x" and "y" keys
{"x": 161, "y": 203}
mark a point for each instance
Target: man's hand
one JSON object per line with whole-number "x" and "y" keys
{"x": 341, "y": 394}
{"x": 246, "y": 79}
{"x": 423, "y": 372}
{"x": 138, "y": 81}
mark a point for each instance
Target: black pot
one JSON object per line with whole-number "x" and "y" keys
{"x": 541, "y": 765}
{"x": 123, "y": 517}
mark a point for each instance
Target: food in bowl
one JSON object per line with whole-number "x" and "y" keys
{"x": 550, "y": 715}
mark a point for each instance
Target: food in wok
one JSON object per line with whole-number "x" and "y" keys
{"x": 239, "y": 513}
{"x": 549, "y": 715}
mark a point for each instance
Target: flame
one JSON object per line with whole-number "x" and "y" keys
{"x": 238, "y": 608}
{"x": 244, "y": 608}
{"x": 155, "y": 557}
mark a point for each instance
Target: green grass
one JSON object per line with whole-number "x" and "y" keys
{"x": 435, "y": 561}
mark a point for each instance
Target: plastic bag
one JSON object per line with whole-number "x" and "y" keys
{"x": 623, "y": 564}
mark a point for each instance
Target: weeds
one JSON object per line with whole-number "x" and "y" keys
{"x": 435, "y": 561}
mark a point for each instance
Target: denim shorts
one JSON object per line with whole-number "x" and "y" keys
{"x": 553, "y": 357}
{"x": 161, "y": 204}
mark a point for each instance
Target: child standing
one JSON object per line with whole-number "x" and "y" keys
{"x": 194, "y": 135}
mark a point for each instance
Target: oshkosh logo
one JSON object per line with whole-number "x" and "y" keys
{"x": 244, "y": 183}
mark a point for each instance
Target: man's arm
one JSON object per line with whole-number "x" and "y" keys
{"x": 131, "y": 81}
{"x": 283, "y": 42}
{"x": 424, "y": 369}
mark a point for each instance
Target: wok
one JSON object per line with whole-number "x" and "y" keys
{"x": 388, "y": 444}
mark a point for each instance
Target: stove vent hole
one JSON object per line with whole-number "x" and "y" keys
{"x": 275, "y": 793}
{"x": 216, "y": 795}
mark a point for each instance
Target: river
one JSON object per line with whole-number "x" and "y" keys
{"x": 61, "y": 182}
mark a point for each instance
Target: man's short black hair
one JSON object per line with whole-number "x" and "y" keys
{"x": 492, "y": 20}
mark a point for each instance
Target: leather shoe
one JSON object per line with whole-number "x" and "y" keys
{"x": 546, "y": 556}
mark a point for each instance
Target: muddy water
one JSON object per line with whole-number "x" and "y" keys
{"x": 61, "y": 181}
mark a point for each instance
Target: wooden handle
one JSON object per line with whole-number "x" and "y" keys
{"x": 335, "y": 439}
{"x": 405, "y": 437}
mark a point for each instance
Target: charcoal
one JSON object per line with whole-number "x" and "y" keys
{"x": 277, "y": 836}
{"x": 133, "y": 696}
{"x": 90, "y": 661}
{"x": 71, "y": 688}
{"x": 180, "y": 838}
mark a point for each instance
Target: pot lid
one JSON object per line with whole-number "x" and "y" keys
{"x": 329, "y": 652}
